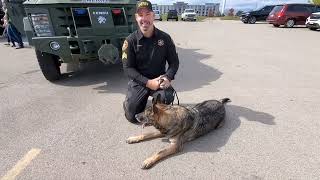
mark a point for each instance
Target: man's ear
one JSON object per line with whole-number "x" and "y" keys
{"x": 136, "y": 16}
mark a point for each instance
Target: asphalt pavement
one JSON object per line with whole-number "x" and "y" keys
{"x": 75, "y": 128}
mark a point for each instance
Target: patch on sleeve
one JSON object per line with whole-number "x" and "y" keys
{"x": 125, "y": 45}
{"x": 124, "y": 55}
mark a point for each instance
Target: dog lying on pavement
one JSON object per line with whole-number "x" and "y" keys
{"x": 179, "y": 124}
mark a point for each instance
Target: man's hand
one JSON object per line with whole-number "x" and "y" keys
{"x": 153, "y": 84}
{"x": 164, "y": 82}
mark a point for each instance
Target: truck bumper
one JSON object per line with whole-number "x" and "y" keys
{"x": 74, "y": 49}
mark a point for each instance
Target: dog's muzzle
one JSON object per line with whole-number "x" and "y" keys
{"x": 137, "y": 118}
{"x": 141, "y": 121}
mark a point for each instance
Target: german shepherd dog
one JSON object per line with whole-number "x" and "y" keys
{"x": 179, "y": 124}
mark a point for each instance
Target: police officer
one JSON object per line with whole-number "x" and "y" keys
{"x": 144, "y": 55}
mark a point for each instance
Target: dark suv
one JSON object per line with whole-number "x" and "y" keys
{"x": 172, "y": 14}
{"x": 257, "y": 15}
{"x": 290, "y": 14}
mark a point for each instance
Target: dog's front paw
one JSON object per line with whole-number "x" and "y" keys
{"x": 148, "y": 163}
{"x": 133, "y": 139}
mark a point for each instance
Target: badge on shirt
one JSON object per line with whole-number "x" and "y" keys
{"x": 160, "y": 42}
{"x": 125, "y": 45}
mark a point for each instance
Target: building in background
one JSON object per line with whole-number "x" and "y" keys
{"x": 206, "y": 9}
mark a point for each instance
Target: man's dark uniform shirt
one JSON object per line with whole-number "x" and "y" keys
{"x": 145, "y": 58}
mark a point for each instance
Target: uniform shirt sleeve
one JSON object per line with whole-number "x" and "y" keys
{"x": 172, "y": 59}
{"x": 129, "y": 63}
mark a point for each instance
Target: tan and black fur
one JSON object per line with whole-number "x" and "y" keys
{"x": 180, "y": 124}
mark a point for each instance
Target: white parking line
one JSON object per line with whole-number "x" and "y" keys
{"x": 23, "y": 163}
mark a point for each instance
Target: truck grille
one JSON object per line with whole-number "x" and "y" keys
{"x": 63, "y": 20}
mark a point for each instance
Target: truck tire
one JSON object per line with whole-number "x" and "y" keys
{"x": 49, "y": 65}
{"x": 276, "y": 25}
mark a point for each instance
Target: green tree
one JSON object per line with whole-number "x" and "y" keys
{"x": 231, "y": 12}
{"x": 316, "y": 2}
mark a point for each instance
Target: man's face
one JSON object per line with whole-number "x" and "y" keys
{"x": 145, "y": 19}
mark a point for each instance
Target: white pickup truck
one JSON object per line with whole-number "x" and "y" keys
{"x": 189, "y": 14}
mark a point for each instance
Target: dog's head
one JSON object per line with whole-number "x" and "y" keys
{"x": 167, "y": 118}
{"x": 152, "y": 113}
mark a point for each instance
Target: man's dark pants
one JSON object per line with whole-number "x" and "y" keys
{"x": 137, "y": 98}
{"x": 14, "y": 35}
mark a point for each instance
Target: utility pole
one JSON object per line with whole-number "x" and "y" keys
{"x": 223, "y": 6}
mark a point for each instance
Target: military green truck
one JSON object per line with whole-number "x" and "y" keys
{"x": 77, "y": 31}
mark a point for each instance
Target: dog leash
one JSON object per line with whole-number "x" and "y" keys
{"x": 175, "y": 94}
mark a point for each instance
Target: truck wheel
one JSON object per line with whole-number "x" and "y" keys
{"x": 49, "y": 65}
{"x": 177, "y": 19}
{"x": 252, "y": 20}
{"x": 312, "y": 28}
{"x": 276, "y": 25}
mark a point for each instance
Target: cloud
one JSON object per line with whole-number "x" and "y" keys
{"x": 233, "y": 3}
{"x": 170, "y": 2}
{"x": 253, "y": 4}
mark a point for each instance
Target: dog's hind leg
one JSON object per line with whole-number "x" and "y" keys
{"x": 143, "y": 137}
{"x": 221, "y": 123}
{"x": 175, "y": 146}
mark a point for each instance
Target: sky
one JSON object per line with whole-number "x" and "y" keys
{"x": 236, "y": 4}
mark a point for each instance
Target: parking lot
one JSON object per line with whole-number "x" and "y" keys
{"x": 75, "y": 128}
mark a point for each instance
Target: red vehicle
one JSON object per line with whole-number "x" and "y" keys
{"x": 290, "y": 14}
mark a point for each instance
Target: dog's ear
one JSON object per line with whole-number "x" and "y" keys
{"x": 156, "y": 100}
{"x": 155, "y": 109}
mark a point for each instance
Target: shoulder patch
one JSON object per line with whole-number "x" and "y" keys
{"x": 125, "y": 45}
{"x": 124, "y": 55}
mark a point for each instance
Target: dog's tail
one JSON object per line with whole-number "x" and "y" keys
{"x": 225, "y": 100}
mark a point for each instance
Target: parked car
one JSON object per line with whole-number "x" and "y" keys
{"x": 157, "y": 15}
{"x": 172, "y": 14}
{"x": 257, "y": 15}
{"x": 313, "y": 21}
{"x": 290, "y": 14}
{"x": 189, "y": 14}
